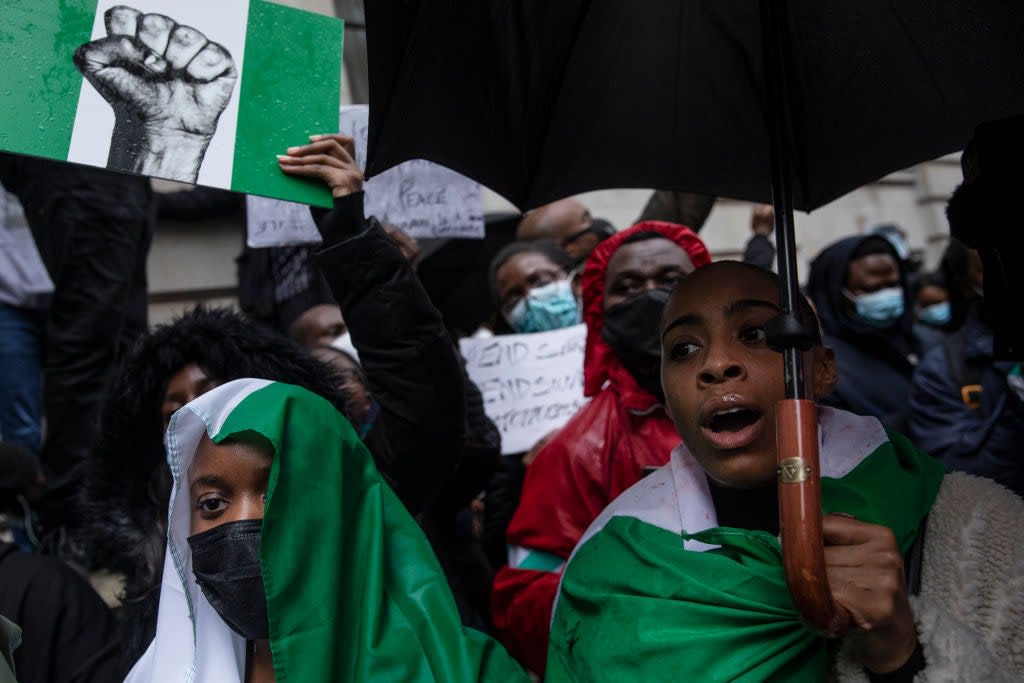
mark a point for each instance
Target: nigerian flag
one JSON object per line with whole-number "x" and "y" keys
{"x": 200, "y": 91}
{"x": 656, "y": 591}
{"x": 353, "y": 590}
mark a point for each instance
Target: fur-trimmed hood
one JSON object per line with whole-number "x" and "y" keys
{"x": 123, "y": 502}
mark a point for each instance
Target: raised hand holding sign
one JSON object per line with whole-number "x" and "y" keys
{"x": 167, "y": 84}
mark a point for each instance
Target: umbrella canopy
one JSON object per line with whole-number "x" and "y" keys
{"x": 539, "y": 100}
{"x": 799, "y": 101}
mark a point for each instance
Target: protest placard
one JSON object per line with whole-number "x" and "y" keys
{"x": 531, "y": 383}
{"x": 421, "y": 198}
{"x": 189, "y": 90}
{"x": 273, "y": 223}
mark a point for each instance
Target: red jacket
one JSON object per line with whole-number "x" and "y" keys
{"x": 603, "y": 450}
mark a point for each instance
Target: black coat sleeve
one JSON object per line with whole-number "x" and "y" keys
{"x": 409, "y": 360}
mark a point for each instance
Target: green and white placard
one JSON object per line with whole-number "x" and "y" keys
{"x": 200, "y": 91}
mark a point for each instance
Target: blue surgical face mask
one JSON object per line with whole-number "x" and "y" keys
{"x": 549, "y": 307}
{"x": 879, "y": 309}
{"x": 937, "y": 314}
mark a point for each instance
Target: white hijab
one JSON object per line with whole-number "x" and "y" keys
{"x": 192, "y": 643}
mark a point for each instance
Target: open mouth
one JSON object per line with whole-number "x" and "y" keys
{"x": 733, "y": 419}
{"x": 734, "y": 427}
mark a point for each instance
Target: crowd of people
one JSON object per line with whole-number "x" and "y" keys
{"x": 310, "y": 488}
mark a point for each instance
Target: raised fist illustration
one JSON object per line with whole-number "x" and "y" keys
{"x": 168, "y": 85}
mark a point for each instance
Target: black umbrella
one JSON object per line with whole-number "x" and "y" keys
{"x": 798, "y": 101}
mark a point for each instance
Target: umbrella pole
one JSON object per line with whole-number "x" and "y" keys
{"x": 800, "y": 522}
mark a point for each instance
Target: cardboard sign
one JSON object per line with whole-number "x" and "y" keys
{"x": 531, "y": 383}
{"x": 273, "y": 223}
{"x": 190, "y": 90}
{"x": 419, "y": 197}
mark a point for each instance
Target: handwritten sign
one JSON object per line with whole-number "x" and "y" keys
{"x": 273, "y": 223}
{"x": 419, "y": 197}
{"x": 531, "y": 383}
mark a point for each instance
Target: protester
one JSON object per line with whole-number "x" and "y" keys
{"x": 967, "y": 409}
{"x": 265, "y": 531}
{"x": 759, "y": 250}
{"x": 92, "y": 228}
{"x": 25, "y": 290}
{"x": 393, "y": 320}
{"x": 932, "y": 298}
{"x": 568, "y": 223}
{"x": 121, "y": 525}
{"x": 897, "y": 237}
{"x": 532, "y": 293}
{"x": 531, "y": 289}
{"x": 979, "y": 212}
{"x": 321, "y": 325}
{"x": 932, "y": 313}
{"x": 681, "y": 577}
{"x": 413, "y": 374}
{"x": 860, "y": 293}
{"x": 606, "y": 447}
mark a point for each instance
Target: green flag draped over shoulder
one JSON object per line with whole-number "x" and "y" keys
{"x": 354, "y": 592}
{"x": 656, "y": 591}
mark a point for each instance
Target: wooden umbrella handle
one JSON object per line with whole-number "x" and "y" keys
{"x": 803, "y": 549}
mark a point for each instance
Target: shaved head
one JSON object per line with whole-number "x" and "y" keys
{"x": 554, "y": 221}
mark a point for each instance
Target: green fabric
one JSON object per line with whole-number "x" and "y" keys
{"x": 635, "y": 605}
{"x": 39, "y": 82}
{"x": 354, "y": 592}
{"x": 285, "y": 98}
{"x": 10, "y": 639}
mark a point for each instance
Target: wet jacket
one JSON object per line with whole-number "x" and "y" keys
{"x": 985, "y": 440}
{"x": 875, "y": 366}
{"x": 603, "y": 450}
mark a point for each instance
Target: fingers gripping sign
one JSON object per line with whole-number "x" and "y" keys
{"x": 331, "y": 158}
{"x": 167, "y": 83}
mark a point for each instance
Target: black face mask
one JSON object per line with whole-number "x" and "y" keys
{"x": 631, "y": 328}
{"x": 226, "y": 563}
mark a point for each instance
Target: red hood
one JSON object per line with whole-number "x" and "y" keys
{"x": 600, "y": 364}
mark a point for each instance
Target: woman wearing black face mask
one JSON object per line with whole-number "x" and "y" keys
{"x": 289, "y": 558}
{"x": 608, "y": 445}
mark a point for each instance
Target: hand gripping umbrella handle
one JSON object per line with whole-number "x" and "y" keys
{"x": 803, "y": 550}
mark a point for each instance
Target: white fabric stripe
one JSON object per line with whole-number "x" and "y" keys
{"x": 676, "y": 497}
{"x": 845, "y": 440}
{"x": 212, "y": 408}
{"x": 517, "y": 555}
{"x": 192, "y": 643}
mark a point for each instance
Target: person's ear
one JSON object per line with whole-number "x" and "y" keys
{"x": 826, "y": 375}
